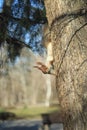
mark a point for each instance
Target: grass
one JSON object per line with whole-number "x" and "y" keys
{"x": 32, "y": 112}
{"x": 2, "y": 110}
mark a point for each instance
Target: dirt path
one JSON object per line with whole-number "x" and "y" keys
{"x": 26, "y": 125}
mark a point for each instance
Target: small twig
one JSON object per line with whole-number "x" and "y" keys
{"x": 81, "y": 64}
{"x": 69, "y": 44}
{"x": 14, "y": 40}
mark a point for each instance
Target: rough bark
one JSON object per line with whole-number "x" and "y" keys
{"x": 68, "y": 25}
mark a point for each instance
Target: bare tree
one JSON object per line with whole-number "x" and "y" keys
{"x": 67, "y": 21}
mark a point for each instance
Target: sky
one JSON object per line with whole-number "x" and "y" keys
{"x": 1, "y": 5}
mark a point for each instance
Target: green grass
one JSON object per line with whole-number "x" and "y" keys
{"x": 32, "y": 112}
{"x": 2, "y": 110}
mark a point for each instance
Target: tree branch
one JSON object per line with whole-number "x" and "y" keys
{"x": 8, "y": 16}
{"x": 75, "y": 13}
{"x": 15, "y": 41}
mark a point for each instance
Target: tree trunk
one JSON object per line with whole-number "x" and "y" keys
{"x": 48, "y": 90}
{"x": 67, "y": 22}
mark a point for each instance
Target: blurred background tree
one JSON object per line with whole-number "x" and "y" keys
{"x": 21, "y": 29}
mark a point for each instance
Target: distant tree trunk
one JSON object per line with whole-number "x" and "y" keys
{"x": 3, "y": 58}
{"x": 48, "y": 90}
{"x": 67, "y": 21}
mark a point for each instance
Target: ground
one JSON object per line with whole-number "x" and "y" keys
{"x": 26, "y": 125}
